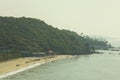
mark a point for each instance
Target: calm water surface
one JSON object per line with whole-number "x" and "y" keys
{"x": 86, "y": 67}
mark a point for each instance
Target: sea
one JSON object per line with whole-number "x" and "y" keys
{"x": 104, "y": 65}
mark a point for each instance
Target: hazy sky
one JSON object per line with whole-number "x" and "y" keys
{"x": 92, "y": 17}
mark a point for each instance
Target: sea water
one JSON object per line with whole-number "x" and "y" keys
{"x": 104, "y": 66}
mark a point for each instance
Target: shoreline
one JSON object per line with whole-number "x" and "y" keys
{"x": 13, "y": 67}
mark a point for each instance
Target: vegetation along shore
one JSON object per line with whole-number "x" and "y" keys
{"x": 23, "y": 36}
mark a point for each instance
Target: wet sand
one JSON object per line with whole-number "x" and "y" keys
{"x": 17, "y": 65}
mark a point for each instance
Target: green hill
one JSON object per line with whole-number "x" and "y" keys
{"x": 33, "y": 35}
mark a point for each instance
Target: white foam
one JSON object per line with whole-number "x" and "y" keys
{"x": 20, "y": 70}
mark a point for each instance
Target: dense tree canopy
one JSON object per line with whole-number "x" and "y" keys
{"x": 33, "y": 35}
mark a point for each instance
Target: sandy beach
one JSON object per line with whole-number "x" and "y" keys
{"x": 17, "y": 65}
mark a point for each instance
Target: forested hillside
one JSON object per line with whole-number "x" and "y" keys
{"x": 19, "y": 35}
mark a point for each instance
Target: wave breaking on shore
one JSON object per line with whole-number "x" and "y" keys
{"x": 34, "y": 64}
{"x": 20, "y": 70}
